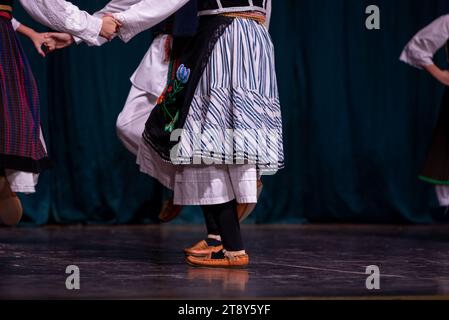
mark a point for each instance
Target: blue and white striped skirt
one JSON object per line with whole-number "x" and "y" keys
{"x": 235, "y": 115}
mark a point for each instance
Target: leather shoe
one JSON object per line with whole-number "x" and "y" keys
{"x": 11, "y": 210}
{"x": 203, "y": 249}
{"x": 169, "y": 211}
{"x": 219, "y": 260}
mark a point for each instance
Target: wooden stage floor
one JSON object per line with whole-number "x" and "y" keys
{"x": 288, "y": 262}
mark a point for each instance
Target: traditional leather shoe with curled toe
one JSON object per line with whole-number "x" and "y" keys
{"x": 219, "y": 260}
{"x": 204, "y": 248}
{"x": 11, "y": 210}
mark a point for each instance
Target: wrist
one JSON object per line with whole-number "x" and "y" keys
{"x": 33, "y": 35}
{"x": 434, "y": 70}
{"x": 439, "y": 75}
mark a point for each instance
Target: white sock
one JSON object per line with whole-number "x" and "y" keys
{"x": 234, "y": 254}
{"x": 214, "y": 237}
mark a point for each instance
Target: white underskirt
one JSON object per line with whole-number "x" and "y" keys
{"x": 192, "y": 185}
{"x": 201, "y": 184}
{"x": 23, "y": 182}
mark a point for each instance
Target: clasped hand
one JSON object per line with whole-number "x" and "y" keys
{"x": 110, "y": 27}
{"x": 56, "y": 40}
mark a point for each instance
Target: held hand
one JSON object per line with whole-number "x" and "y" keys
{"x": 56, "y": 40}
{"x": 110, "y": 27}
{"x": 38, "y": 40}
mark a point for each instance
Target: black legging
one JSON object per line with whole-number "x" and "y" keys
{"x": 222, "y": 219}
{"x": 211, "y": 224}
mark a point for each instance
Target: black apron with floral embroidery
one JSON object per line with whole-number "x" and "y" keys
{"x": 190, "y": 56}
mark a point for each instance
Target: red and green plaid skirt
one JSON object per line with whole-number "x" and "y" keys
{"x": 21, "y": 147}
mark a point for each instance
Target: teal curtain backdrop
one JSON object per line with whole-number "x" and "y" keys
{"x": 357, "y": 122}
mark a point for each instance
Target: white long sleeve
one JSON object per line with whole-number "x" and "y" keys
{"x": 269, "y": 11}
{"x": 15, "y": 24}
{"x": 113, "y": 6}
{"x": 420, "y": 50}
{"x": 145, "y": 15}
{"x": 64, "y": 16}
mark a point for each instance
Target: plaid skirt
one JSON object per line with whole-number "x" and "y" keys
{"x": 21, "y": 148}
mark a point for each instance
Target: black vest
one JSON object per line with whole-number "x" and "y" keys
{"x": 210, "y": 7}
{"x": 183, "y": 23}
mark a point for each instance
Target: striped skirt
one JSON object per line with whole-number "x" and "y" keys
{"x": 21, "y": 148}
{"x": 235, "y": 115}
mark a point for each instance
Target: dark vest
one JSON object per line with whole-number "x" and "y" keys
{"x": 210, "y": 7}
{"x": 183, "y": 23}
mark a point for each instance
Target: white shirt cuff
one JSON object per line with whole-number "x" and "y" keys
{"x": 93, "y": 31}
{"x": 127, "y": 32}
{"x": 415, "y": 60}
{"x": 15, "y": 24}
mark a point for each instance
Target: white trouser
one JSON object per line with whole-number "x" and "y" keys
{"x": 23, "y": 182}
{"x": 131, "y": 121}
{"x": 149, "y": 82}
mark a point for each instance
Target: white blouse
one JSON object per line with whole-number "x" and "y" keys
{"x": 63, "y": 16}
{"x": 420, "y": 50}
{"x": 148, "y": 13}
{"x": 137, "y": 15}
{"x": 145, "y": 15}
{"x": 113, "y": 6}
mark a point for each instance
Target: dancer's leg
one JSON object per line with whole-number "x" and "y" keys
{"x": 226, "y": 217}
{"x": 234, "y": 254}
{"x": 10, "y": 207}
{"x": 132, "y": 119}
{"x": 213, "y": 230}
{"x": 212, "y": 243}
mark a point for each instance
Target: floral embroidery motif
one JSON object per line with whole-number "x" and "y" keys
{"x": 170, "y": 95}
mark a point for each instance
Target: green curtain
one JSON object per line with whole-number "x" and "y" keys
{"x": 357, "y": 122}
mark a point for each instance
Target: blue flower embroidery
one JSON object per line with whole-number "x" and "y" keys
{"x": 169, "y": 97}
{"x": 183, "y": 74}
